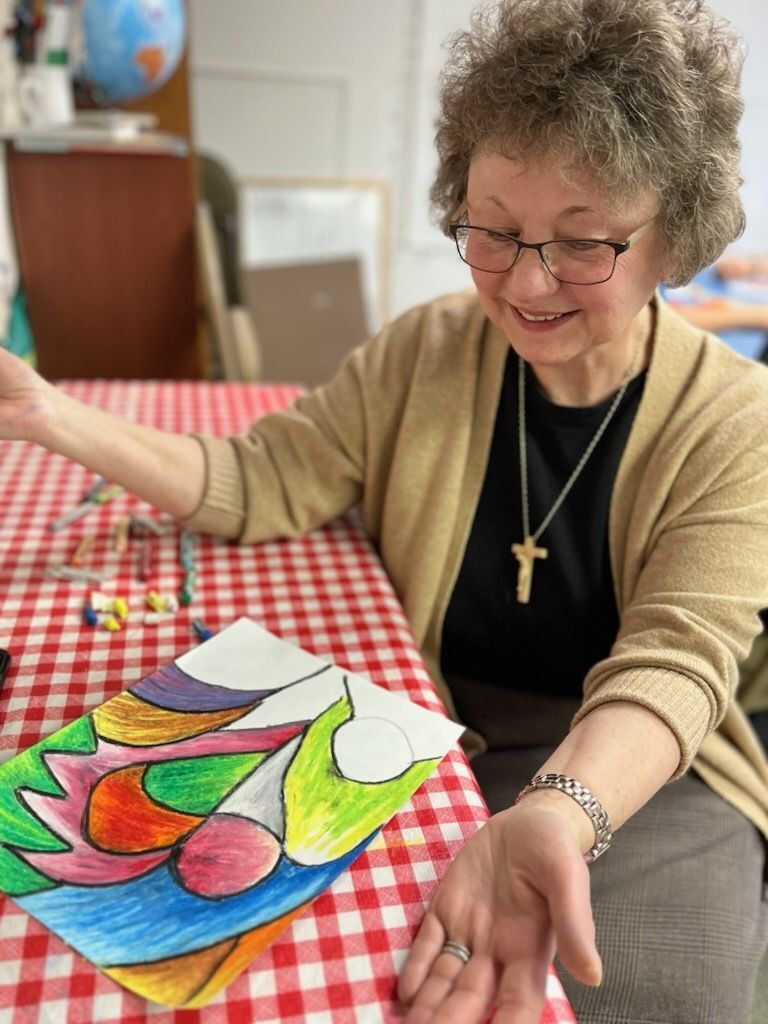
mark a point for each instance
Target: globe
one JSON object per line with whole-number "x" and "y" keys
{"x": 131, "y": 47}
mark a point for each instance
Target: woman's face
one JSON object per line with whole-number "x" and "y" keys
{"x": 536, "y": 203}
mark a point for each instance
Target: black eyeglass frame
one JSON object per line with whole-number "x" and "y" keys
{"x": 618, "y": 248}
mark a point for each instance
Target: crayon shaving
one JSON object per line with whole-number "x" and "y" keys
{"x": 161, "y": 603}
{"x": 155, "y": 618}
{"x": 109, "y": 611}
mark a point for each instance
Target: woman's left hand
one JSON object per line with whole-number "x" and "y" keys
{"x": 518, "y": 890}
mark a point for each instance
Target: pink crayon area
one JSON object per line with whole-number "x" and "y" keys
{"x": 225, "y": 856}
{"x": 78, "y": 774}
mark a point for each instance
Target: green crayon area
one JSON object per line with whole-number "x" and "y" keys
{"x": 196, "y": 785}
{"x": 17, "y": 825}
{"x": 328, "y": 815}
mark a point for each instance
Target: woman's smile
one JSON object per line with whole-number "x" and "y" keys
{"x": 578, "y": 338}
{"x": 540, "y": 321}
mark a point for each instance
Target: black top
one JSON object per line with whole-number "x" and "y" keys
{"x": 548, "y": 645}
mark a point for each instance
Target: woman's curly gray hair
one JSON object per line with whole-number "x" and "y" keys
{"x": 642, "y": 93}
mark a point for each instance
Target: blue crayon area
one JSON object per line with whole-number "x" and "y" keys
{"x": 152, "y": 917}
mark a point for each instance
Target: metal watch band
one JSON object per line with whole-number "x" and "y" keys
{"x": 585, "y": 799}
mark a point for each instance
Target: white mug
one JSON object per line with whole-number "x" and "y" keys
{"x": 45, "y": 95}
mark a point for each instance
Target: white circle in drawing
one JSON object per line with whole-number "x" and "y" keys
{"x": 371, "y": 750}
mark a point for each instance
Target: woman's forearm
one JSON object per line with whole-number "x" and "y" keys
{"x": 165, "y": 469}
{"x": 623, "y": 753}
{"x": 726, "y": 315}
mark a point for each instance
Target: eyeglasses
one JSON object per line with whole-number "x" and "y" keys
{"x": 570, "y": 261}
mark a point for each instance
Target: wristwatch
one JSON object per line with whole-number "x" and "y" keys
{"x": 585, "y": 799}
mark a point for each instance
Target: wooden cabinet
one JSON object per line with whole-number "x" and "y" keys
{"x": 106, "y": 247}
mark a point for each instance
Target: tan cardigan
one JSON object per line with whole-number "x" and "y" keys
{"x": 405, "y": 429}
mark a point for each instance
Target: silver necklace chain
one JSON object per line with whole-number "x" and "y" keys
{"x": 579, "y": 466}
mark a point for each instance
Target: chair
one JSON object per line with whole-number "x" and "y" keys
{"x": 234, "y": 353}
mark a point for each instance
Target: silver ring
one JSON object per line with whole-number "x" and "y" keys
{"x": 457, "y": 949}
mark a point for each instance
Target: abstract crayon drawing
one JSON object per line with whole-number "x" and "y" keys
{"x": 174, "y": 832}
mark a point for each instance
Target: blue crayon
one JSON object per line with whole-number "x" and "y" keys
{"x": 201, "y": 629}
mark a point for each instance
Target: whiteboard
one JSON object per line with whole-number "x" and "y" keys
{"x": 284, "y": 222}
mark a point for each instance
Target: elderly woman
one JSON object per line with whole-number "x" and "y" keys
{"x": 568, "y": 486}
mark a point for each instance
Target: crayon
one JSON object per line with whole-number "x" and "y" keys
{"x": 145, "y": 560}
{"x": 188, "y": 587}
{"x": 121, "y": 535}
{"x": 82, "y": 550}
{"x": 86, "y": 504}
{"x": 69, "y": 572}
{"x": 201, "y": 629}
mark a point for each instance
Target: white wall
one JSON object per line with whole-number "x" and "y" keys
{"x": 346, "y": 88}
{"x": 331, "y": 89}
{"x": 751, "y": 18}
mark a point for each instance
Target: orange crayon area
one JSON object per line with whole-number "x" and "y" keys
{"x": 122, "y": 818}
{"x": 193, "y": 979}
{"x": 128, "y": 719}
{"x": 245, "y": 951}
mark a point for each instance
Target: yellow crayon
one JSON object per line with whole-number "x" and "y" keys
{"x": 155, "y": 602}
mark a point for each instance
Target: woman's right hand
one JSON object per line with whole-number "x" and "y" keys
{"x": 518, "y": 889}
{"x": 165, "y": 469}
{"x": 25, "y": 400}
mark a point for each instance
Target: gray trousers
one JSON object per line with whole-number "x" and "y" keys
{"x": 680, "y": 901}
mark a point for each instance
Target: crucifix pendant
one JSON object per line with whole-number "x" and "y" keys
{"x": 525, "y": 554}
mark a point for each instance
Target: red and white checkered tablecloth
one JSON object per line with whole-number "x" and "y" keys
{"x": 327, "y": 593}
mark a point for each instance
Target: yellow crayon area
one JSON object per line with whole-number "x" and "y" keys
{"x": 128, "y": 719}
{"x": 326, "y": 814}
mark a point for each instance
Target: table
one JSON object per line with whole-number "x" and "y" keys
{"x": 327, "y": 593}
